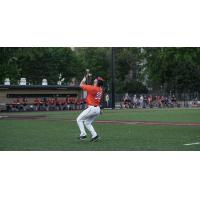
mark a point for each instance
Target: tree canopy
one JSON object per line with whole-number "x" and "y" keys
{"x": 137, "y": 69}
{"x": 173, "y": 69}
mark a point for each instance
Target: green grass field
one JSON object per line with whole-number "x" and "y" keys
{"x": 57, "y": 131}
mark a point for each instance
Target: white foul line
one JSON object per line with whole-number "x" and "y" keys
{"x": 1, "y": 117}
{"x": 192, "y": 143}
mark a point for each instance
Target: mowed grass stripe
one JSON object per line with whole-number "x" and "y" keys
{"x": 62, "y": 134}
{"x": 162, "y": 115}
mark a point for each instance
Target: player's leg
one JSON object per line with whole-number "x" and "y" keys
{"x": 88, "y": 122}
{"x": 80, "y": 121}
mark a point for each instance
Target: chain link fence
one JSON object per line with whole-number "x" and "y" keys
{"x": 187, "y": 100}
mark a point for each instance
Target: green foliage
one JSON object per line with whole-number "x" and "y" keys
{"x": 96, "y": 59}
{"x": 172, "y": 69}
{"x": 128, "y": 61}
{"x": 129, "y": 65}
{"x": 37, "y": 63}
{"x": 9, "y": 66}
{"x": 176, "y": 69}
{"x": 59, "y": 131}
{"x": 134, "y": 87}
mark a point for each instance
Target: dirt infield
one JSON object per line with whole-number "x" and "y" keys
{"x": 121, "y": 122}
{"x": 148, "y": 123}
{"x": 22, "y": 117}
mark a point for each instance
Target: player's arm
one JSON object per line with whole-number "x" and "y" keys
{"x": 83, "y": 82}
{"x": 86, "y": 87}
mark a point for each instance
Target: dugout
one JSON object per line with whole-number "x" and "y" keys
{"x": 9, "y": 93}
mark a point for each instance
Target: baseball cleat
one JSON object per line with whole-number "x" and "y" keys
{"x": 95, "y": 139}
{"x": 82, "y": 137}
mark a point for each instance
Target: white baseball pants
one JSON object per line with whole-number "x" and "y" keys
{"x": 86, "y": 118}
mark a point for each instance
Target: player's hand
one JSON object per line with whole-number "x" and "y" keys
{"x": 87, "y": 75}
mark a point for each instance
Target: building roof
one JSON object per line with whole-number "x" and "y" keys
{"x": 43, "y": 87}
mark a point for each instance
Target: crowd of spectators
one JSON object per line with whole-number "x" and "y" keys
{"x": 148, "y": 101}
{"x": 73, "y": 103}
{"x": 46, "y": 104}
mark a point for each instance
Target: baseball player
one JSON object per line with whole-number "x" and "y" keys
{"x": 93, "y": 99}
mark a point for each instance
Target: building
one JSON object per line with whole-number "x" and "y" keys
{"x": 9, "y": 93}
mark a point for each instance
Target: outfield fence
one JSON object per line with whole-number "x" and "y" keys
{"x": 157, "y": 101}
{"x": 122, "y": 102}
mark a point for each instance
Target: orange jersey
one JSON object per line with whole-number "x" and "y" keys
{"x": 94, "y": 94}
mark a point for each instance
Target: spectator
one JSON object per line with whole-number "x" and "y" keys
{"x": 149, "y": 100}
{"x": 158, "y": 101}
{"x": 25, "y": 102}
{"x": 127, "y": 101}
{"x": 173, "y": 100}
{"x": 141, "y": 101}
{"x": 135, "y": 101}
{"x": 162, "y": 100}
{"x": 107, "y": 99}
{"x": 145, "y": 101}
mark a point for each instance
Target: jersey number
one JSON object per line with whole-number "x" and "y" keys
{"x": 98, "y": 96}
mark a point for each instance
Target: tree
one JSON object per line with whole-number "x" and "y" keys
{"x": 9, "y": 67}
{"x": 169, "y": 69}
{"x": 129, "y": 63}
{"x": 95, "y": 59}
{"x": 176, "y": 69}
{"x": 38, "y": 63}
